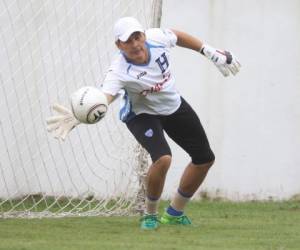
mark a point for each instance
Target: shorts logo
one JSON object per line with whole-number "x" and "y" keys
{"x": 149, "y": 133}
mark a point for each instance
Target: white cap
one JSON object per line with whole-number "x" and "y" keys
{"x": 125, "y": 26}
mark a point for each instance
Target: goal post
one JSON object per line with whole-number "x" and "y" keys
{"x": 49, "y": 49}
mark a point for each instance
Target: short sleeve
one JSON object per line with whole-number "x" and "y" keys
{"x": 165, "y": 37}
{"x": 111, "y": 84}
{"x": 171, "y": 37}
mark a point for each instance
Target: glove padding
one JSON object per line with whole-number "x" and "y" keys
{"x": 225, "y": 61}
{"x": 61, "y": 124}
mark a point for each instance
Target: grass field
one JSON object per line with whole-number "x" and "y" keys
{"x": 216, "y": 225}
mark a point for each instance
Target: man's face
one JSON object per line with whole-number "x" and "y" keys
{"x": 134, "y": 48}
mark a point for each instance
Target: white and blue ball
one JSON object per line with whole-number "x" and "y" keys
{"x": 89, "y": 104}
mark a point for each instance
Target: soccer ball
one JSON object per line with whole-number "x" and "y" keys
{"x": 89, "y": 105}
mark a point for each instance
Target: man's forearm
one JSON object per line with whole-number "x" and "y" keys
{"x": 188, "y": 41}
{"x": 225, "y": 61}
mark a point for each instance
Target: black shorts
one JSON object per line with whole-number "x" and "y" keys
{"x": 183, "y": 127}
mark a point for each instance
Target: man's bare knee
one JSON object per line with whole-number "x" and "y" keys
{"x": 163, "y": 162}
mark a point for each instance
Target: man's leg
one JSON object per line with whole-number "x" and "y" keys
{"x": 192, "y": 178}
{"x": 154, "y": 186}
{"x": 185, "y": 128}
{"x": 156, "y": 176}
{"x": 148, "y": 131}
{"x": 155, "y": 182}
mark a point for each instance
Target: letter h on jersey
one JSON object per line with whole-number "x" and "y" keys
{"x": 162, "y": 62}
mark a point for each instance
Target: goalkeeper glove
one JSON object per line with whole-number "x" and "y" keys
{"x": 225, "y": 61}
{"x": 61, "y": 124}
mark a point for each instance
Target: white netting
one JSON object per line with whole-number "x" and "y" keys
{"x": 48, "y": 49}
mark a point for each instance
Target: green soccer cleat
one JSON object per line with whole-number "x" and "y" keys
{"x": 149, "y": 222}
{"x": 175, "y": 220}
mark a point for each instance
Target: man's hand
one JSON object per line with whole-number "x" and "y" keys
{"x": 225, "y": 61}
{"x": 61, "y": 124}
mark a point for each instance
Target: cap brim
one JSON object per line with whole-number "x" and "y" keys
{"x": 126, "y": 35}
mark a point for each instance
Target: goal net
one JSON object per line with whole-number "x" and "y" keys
{"x": 49, "y": 49}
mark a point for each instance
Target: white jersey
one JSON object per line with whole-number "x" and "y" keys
{"x": 149, "y": 88}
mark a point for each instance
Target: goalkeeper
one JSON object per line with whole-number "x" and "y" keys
{"x": 152, "y": 106}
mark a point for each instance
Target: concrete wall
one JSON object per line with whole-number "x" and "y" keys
{"x": 252, "y": 120}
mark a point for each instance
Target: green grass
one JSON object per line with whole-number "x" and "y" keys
{"x": 216, "y": 225}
